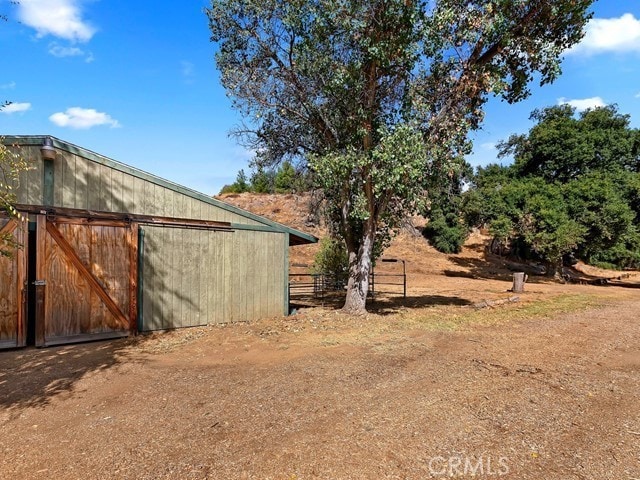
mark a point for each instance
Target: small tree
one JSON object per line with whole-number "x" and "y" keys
{"x": 239, "y": 186}
{"x": 546, "y": 226}
{"x": 331, "y": 260}
{"x": 262, "y": 180}
{"x": 285, "y": 178}
{"x": 445, "y": 232}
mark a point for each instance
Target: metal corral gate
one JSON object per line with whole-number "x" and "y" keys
{"x": 319, "y": 285}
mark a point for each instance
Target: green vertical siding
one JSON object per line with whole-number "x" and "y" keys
{"x": 85, "y": 184}
{"x": 198, "y": 277}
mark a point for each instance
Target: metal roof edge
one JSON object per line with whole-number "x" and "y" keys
{"x": 37, "y": 140}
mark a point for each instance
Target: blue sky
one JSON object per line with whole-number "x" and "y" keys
{"x": 136, "y": 81}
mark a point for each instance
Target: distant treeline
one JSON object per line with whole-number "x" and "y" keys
{"x": 283, "y": 179}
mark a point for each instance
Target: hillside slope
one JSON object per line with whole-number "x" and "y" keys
{"x": 432, "y": 277}
{"x": 295, "y": 211}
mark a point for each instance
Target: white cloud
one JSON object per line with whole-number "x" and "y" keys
{"x": 83, "y": 118}
{"x": 8, "y": 86}
{"x": 60, "y": 51}
{"x": 488, "y": 146}
{"x": 60, "y": 18}
{"x": 610, "y": 35}
{"x": 582, "y": 104}
{"x": 16, "y": 108}
{"x": 637, "y": 95}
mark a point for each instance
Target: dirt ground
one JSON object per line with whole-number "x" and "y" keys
{"x": 522, "y": 391}
{"x": 430, "y": 386}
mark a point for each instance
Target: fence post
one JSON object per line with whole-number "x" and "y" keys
{"x": 404, "y": 279}
{"x": 373, "y": 282}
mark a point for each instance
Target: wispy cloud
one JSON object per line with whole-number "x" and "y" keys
{"x": 582, "y": 104}
{"x": 188, "y": 71}
{"x": 610, "y": 35}
{"x": 637, "y": 95}
{"x": 8, "y": 86}
{"x": 61, "y": 51}
{"x": 83, "y": 118}
{"x": 16, "y": 108}
{"x": 60, "y": 18}
{"x": 488, "y": 146}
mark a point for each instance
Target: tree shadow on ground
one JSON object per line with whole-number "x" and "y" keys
{"x": 622, "y": 284}
{"x": 382, "y": 304}
{"x": 389, "y": 305}
{"x": 490, "y": 269}
{"x": 31, "y": 377}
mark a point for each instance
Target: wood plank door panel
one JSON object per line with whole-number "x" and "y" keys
{"x": 87, "y": 272}
{"x": 12, "y": 284}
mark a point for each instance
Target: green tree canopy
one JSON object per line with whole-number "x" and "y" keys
{"x": 241, "y": 184}
{"x": 573, "y": 188}
{"x": 563, "y": 146}
{"x": 376, "y": 94}
{"x": 446, "y": 230}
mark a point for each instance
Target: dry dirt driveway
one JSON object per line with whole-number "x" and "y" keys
{"x": 302, "y": 398}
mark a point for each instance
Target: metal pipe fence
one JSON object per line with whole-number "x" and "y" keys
{"x": 314, "y": 287}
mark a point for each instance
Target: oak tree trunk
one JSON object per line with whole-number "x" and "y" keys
{"x": 554, "y": 269}
{"x": 359, "y": 266}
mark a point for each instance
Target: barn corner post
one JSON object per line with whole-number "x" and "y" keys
{"x": 286, "y": 274}
{"x": 13, "y": 284}
{"x": 140, "y": 280}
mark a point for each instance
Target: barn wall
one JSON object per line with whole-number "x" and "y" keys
{"x": 198, "y": 277}
{"x": 188, "y": 276}
{"x": 85, "y": 184}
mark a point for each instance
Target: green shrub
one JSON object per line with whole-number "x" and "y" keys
{"x": 446, "y": 233}
{"x": 332, "y": 258}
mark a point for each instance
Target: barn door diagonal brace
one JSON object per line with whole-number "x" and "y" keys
{"x": 9, "y": 227}
{"x": 86, "y": 274}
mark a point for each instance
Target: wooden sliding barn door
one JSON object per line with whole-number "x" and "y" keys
{"x": 12, "y": 285}
{"x": 87, "y": 274}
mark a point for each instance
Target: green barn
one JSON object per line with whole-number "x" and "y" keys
{"x": 110, "y": 250}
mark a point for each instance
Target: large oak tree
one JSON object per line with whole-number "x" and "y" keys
{"x": 378, "y": 96}
{"x": 571, "y": 191}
